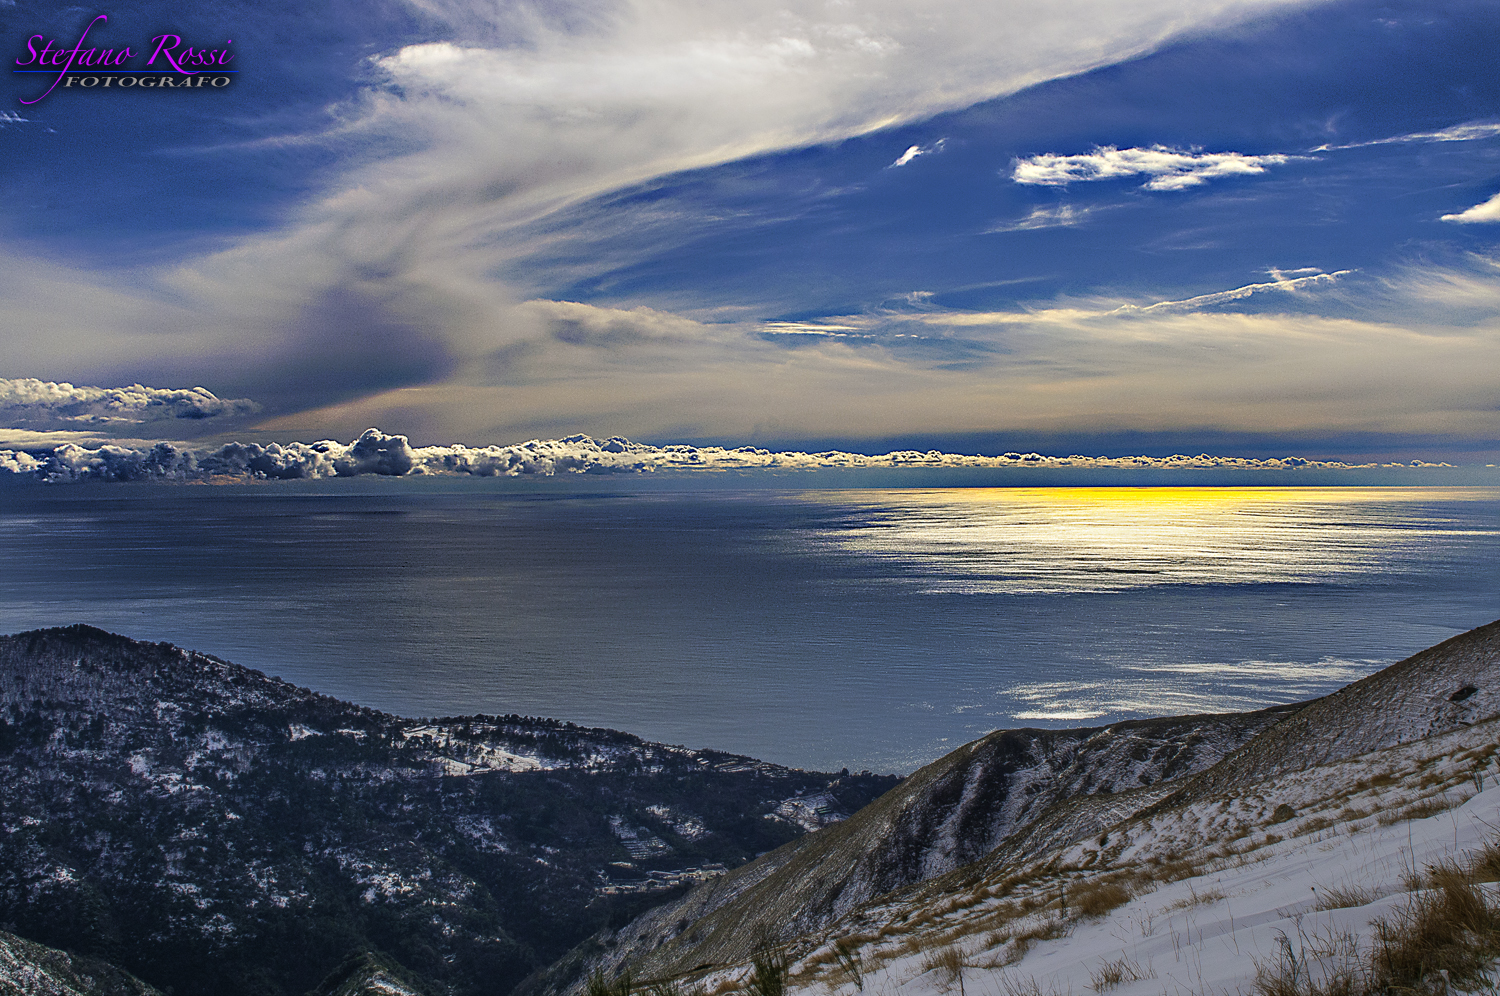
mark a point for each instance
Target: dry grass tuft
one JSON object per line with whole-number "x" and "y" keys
{"x": 1095, "y": 899}
{"x": 1113, "y": 973}
{"x": 770, "y": 969}
{"x": 1051, "y": 930}
{"x": 1330, "y": 968}
{"x": 1450, "y": 928}
{"x": 1005, "y": 951}
{"x": 1170, "y": 871}
{"x": 851, "y": 967}
{"x": 1418, "y": 810}
{"x": 1313, "y": 825}
{"x": 1028, "y": 986}
{"x": 1342, "y": 897}
{"x": 1486, "y": 866}
{"x": 1444, "y": 941}
{"x": 947, "y": 963}
{"x": 1196, "y": 898}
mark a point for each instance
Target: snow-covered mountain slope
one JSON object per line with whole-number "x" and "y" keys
{"x": 226, "y": 833}
{"x": 369, "y": 974}
{"x": 29, "y": 969}
{"x": 948, "y": 814}
{"x": 1310, "y": 872}
{"x": 1029, "y": 798}
{"x": 1454, "y": 684}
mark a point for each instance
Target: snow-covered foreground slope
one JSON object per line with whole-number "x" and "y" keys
{"x": 1195, "y": 900}
{"x": 1005, "y": 828}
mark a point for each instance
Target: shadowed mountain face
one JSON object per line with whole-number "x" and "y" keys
{"x": 29, "y": 969}
{"x": 219, "y": 832}
{"x": 948, "y": 814}
{"x": 1021, "y": 794}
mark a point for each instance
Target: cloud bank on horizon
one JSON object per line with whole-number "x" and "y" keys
{"x": 376, "y": 453}
{"x": 730, "y": 221}
{"x": 31, "y": 403}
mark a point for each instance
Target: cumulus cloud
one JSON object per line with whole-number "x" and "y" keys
{"x": 376, "y": 453}
{"x": 1489, "y": 211}
{"x": 1168, "y": 168}
{"x": 31, "y": 403}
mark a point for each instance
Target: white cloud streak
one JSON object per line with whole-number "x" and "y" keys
{"x": 1283, "y": 283}
{"x": 915, "y": 151}
{"x": 1488, "y": 212}
{"x": 1471, "y": 131}
{"x": 1168, "y": 168}
{"x": 1059, "y": 216}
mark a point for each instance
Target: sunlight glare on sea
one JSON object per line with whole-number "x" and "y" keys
{"x": 1062, "y": 540}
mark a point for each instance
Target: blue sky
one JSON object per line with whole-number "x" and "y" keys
{"x": 1156, "y": 226}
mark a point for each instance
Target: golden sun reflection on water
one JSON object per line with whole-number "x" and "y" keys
{"x": 1059, "y": 540}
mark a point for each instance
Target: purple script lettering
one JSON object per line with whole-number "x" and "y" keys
{"x": 73, "y": 54}
{"x": 32, "y": 49}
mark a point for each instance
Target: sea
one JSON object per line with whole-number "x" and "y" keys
{"x": 824, "y": 629}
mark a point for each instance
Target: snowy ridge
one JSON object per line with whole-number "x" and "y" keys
{"x": 29, "y": 969}
{"x": 943, "y": 817}
{"x": 1456, "y": 683}
{"x": 1059, "y": 809}
{"x": 1212, "y": 892}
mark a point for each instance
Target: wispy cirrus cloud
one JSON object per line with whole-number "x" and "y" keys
{"x": 1471, "y": 131}
{"x": 1167, "y": 168}
{"x": 1056, "y": 216}
{"x": 811, "y": 328}
{"x": 1286, "y": 282}
{"x": 1489, "y": 211}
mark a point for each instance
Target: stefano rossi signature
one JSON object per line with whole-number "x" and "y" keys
{"x": 171, "y": 63}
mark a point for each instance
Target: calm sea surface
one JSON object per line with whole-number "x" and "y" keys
{"x": 868, "y": 629}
